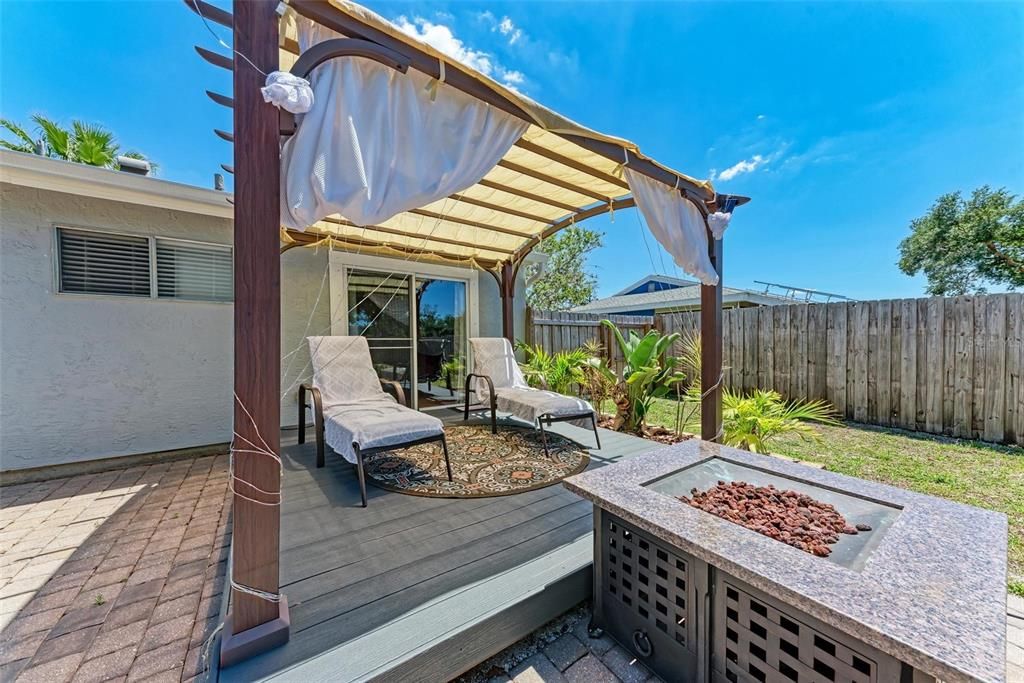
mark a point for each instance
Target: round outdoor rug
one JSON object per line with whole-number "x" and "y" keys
{"x": 483, "y": 464}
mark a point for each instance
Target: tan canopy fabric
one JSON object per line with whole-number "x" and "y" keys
{"x": 544, "y": 180}
{"x": 558, "y": 173}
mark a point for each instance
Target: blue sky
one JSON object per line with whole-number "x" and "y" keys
{"x": 843, "y": 121}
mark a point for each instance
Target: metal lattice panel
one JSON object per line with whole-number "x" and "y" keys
{"x": 648, "y": 580}
{"x": 763, "y": 644}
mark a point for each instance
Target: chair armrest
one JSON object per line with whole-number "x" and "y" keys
{"x": 395, "y": 389}
{"x": 318, "y": 402}
{"x": 469, "y": 383}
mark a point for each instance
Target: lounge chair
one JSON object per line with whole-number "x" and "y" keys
{"x": 351, "y": 411}
{"x": 500, "y": 382}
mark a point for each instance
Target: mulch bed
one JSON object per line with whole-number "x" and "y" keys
{"x": 653, "y": 433}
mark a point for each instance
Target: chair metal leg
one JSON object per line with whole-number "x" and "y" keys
{"x": 543, "y": 437}
{"x": 320, "y": 460}
{"x": 465, "y": 413}
{"x": 302, "y": 415}
{"x": 593, "y": 422}
{"x": 447, "y": 462}
{"x": 494, "y": 415}
{"x": 361, "y": 473}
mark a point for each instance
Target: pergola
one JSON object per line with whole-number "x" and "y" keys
{"x": 556, "y": 174}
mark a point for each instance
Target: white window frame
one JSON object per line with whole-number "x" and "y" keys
{"x": 151, "y": 240}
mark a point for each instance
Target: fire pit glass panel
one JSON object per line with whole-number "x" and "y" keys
{"x": 851, "y": 551}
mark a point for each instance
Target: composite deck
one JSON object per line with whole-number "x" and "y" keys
{"x": 415, "y": 588}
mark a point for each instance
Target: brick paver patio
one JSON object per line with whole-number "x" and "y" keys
{"x": 117, "y": 575}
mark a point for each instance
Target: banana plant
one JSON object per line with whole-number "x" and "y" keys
{"x": 648, "y": 373}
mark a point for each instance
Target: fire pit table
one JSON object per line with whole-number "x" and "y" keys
{"x": 919, "y": 597}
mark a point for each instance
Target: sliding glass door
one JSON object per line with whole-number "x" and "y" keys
{"x": 417, "y": 329}
{"x": 379, "y": 308}
{"x": 441, "y": 340}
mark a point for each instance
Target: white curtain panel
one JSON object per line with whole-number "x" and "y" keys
{"x": 378, "y": 142}
{"x": 676, "y": 223}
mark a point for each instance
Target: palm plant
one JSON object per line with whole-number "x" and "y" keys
{"x": 558, "y": 371}
{"x": 598, "y": 378}
{"x": 748, "y": 422}
{"x": 752, "y": 421}
{"x": 83, "y": 143}
{"x": 649, "y": 373}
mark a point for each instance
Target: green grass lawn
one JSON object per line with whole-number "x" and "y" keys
{"x": 971, "y": 472}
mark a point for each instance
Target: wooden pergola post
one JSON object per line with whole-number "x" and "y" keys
{"x": 507, "y": 287}
{"x": 256, "y": 620}
{"x": 711, "y": 347}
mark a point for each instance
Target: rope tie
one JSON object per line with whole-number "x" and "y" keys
{"x": 704, "y": 395}
{"x": 611, "y": 210}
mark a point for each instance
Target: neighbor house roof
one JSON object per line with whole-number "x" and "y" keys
{"x": 681, "y": 297}
{"x": 665, "y": 279}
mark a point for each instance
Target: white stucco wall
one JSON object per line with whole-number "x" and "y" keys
{"x": 85, "y": 377}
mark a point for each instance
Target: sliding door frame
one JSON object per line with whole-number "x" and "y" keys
{"x": 341, "y": 262}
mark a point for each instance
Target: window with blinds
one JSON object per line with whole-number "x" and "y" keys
{"x": 187, "y": 270}
{"x": 103, "y": 263}
{"x": 108, "y": 263}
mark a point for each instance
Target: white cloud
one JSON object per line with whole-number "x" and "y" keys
{"x": 745, "y": 166}
{"x": 442, "y": 38}
{"x": 508, "y": 29}
{"x": 760, "y": 117}
{"x": 513, "y": 78}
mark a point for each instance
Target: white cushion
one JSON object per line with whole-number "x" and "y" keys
{"x": 529, "y": 404}
{"x": 493, "y": 356}
{"x": 343, "y": 370}
{"x": 372, "y": 423}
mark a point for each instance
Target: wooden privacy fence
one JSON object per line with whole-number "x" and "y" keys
{"x": 559, "y": 331}
{"x": 950, "y": 366}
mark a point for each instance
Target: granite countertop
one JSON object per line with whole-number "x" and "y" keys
{"x": 932, "y": 593}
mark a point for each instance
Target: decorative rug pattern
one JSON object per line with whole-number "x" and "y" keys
{"x": 483, "y": 464}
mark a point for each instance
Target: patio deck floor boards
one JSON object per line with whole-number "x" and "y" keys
{"x": 420, "y": 588}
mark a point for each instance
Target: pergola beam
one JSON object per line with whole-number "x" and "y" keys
{"x": 303, "y": 238}
{"x": 430, "y": 238}
{"x": 571, "y": 163}
{"x": 552, "y": 180}
{"x": 499, "y": 209}
{"x": 465, "y": 221}
{"x": 215, "y": 58}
